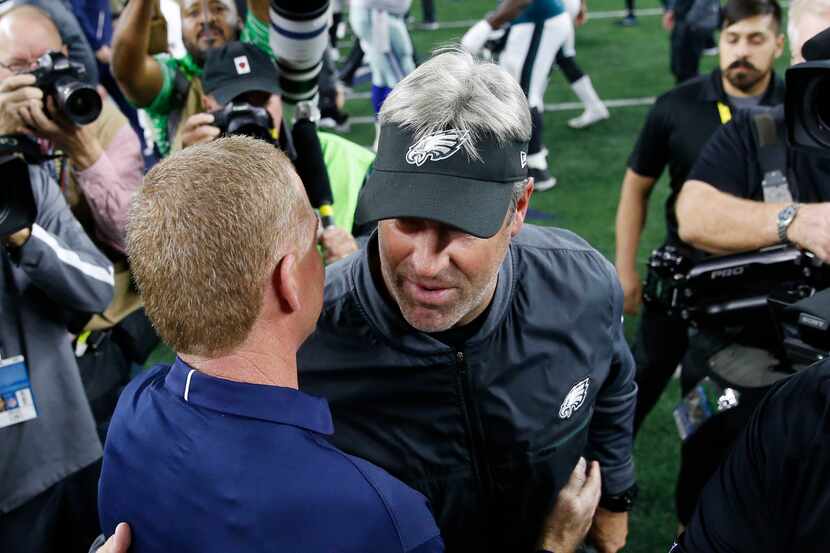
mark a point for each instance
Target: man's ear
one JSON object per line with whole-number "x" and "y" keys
{"x": 779, "y": 45}
{"x": 286, "y": 284}
{"x": 521, "y": 208}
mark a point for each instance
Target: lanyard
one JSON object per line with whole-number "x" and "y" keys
{"x": 725, "y": 113}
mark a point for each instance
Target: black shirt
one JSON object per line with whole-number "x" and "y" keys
{"x": 772, "y": 493}
{"x": 729, "y": 162}
{"x": 678, "y": 126}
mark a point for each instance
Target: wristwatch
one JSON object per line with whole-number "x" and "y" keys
{"x": 785, "y": 219}
{"x": 620, "y": 503}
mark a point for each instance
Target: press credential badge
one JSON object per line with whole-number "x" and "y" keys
{"x": 16, "y": 400}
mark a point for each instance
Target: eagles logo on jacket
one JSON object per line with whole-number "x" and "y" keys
{"x": 489, "y": 433}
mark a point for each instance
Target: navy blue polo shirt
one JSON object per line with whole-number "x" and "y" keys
{"x": 197, "y": 463}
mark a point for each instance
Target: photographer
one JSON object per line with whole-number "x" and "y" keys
{"x": 104, "y": 166}
{"x": 50, "y": 272}
{"x": 167, "y": 88}
{"x": 739, "y": 197}
{"x": 102, "y": 170}
{"x": 241, "y": 88}
{"x": 676, "y": 130}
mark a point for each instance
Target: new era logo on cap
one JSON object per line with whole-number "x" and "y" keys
{"x": 523, "y": 158}
{"x": 242, "y": 65}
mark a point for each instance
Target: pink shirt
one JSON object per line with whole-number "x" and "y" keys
{"x": 109, "y": 185}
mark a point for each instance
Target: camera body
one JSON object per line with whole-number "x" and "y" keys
{"x": 62, "y": 78}
{"x": 244, "y": 119}
{"x": 769, "y": 285}
{"x": 18, "y": 209}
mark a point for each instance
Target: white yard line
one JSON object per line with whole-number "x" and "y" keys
{"x": 591, "y": 15}
{"x": 564, "y": 106}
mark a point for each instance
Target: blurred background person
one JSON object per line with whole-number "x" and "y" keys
{"x": 595, "y": 110}
{"x": 384, "y": 38}
{"x": 538, "y": 29}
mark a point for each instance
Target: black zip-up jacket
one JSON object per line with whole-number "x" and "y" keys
{"x": 489, "y": 433}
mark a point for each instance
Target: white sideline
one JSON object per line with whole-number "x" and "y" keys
{"x": 564, "y": 106}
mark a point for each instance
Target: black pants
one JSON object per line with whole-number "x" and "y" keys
{"x": 429, "y": 10}
{"x": 62, "y": 519}
{"x": 687, "y": 45}
{"x": 658, "y": 348}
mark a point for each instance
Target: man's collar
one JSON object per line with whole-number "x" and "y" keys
{"x": 713, "y": 91}
{"x": 387, "y": 319}
{"x": 256, "y": 401}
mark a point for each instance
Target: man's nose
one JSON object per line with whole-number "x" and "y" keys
{"x": 429, "y": 256}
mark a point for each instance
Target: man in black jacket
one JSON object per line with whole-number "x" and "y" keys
{"x": 472, "y": 356}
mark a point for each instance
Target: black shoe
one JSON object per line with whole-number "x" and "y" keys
{"x": 628, "y": 21}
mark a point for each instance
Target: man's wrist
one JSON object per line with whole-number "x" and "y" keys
{"x": 622, "y": 502}
{"x": 83, "y": 150}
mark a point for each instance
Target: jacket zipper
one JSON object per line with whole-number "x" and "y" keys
{"x": 475, "y": 438}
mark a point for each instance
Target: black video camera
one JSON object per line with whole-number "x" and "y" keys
{"x": 62, "y": 78}
{"x": 807, "y": 109}
{"x": 18, "y": 209}
{"x": 245, "y": 119}
{"x": 775, "y": 284}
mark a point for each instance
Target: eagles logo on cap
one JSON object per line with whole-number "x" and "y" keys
{"x": 436, "y": 146}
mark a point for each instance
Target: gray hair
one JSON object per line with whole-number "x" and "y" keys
{"x": 454, "y": 90}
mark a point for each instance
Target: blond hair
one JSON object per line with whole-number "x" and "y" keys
{"x": 205, "y": 232}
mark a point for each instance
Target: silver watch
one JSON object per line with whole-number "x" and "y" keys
{"x": 785, "y": 218}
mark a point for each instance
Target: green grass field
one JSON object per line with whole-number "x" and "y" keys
{"x": 589, "y": 164}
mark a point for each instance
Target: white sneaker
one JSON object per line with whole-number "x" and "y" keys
{"x": 588, "y": 118}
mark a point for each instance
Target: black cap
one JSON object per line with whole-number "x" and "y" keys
{"x": 434, "y": 178}
{"x": 237, "y": 67}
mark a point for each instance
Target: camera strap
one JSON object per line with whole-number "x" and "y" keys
{"x": 772, "y": 157}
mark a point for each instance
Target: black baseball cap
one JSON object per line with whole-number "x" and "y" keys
{"x": 238, "y": 67}
{"x": 433, "y": 177}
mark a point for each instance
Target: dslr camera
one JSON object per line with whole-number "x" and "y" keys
{"x": 245, "y": 119}
{"x": 62, "y": 78}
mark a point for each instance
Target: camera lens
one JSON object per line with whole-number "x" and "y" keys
{"x": 817, "y": 103}
{"x": 80, "y": 102}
